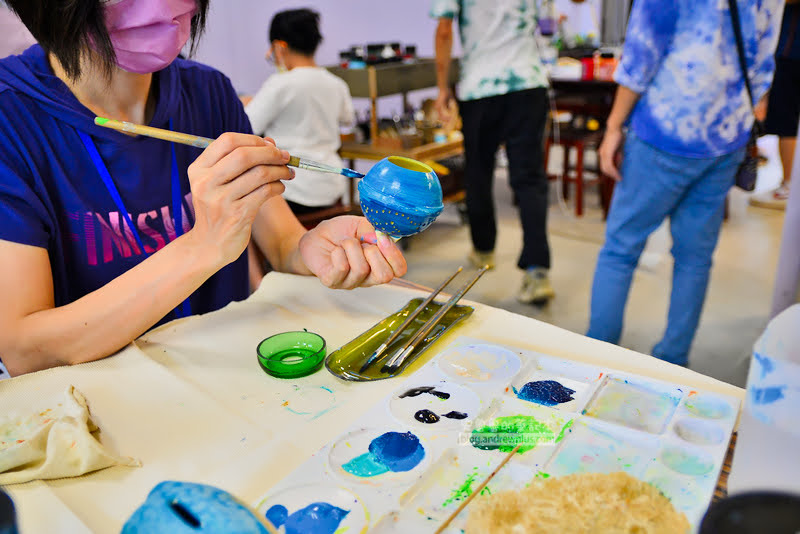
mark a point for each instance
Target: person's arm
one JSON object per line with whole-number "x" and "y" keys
{"x": 624, "y": 101}
{"x": 651, "y": 28}
{"x": 444, "y": 50}
{"x": 347, "y": 115}
{"x": 230, "y": 180}
{"x": 264, "y": 107}
{"x": 338, "y": 251}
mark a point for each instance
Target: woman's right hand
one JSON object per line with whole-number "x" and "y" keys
{"x": 230, "y": 181}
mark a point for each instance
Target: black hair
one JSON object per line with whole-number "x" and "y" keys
{"x": 68, "y": 28}
{"x": 299, "y": 28}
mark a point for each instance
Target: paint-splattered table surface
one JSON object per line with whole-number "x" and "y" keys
{"x": 190, "y": 401}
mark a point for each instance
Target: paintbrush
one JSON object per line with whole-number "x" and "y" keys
{"x": 413, "y": 315}
{"x": 405, "y": 351}
{"x": 477, "y": 490}
{"x": 203, "y": 142}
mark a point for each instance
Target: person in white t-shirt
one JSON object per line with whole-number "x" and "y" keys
{"x": 302, "y": 107}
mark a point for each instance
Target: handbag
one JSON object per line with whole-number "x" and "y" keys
{"x": 747, "y": 172}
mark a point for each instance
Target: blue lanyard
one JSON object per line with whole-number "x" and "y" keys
{"x": 184, "y": 309}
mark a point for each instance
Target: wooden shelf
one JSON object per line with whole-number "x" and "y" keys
{"x": 434, "y": 151}
{"x": 393, "y": 78}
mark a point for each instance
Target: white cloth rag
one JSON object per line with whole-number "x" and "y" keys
{"x": 55, "y": 443}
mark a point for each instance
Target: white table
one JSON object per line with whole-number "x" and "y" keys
{"x": 191, "y": 402}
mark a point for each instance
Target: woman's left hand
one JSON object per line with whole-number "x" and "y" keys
{"x": 343, "y": 253}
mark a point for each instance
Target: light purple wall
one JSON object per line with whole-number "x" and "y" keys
{"x": 236, "y": 35}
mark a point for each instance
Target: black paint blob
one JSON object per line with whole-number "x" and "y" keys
{"x": 426, "y": 416}
{"x": 414, "y": 392}
{"x": 455, "y": 415}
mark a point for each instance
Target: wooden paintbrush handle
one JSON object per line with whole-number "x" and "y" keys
{"x": 477, "y": 490}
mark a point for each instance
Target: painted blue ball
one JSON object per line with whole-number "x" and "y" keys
{"x": 188, "y": 508}
{"x": 400, "y": 196}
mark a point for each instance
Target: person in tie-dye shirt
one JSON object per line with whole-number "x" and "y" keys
{"x": 502, "y": 99}
{"x": 683, "y": 98}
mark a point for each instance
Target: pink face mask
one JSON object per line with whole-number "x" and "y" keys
{"x": 148, "y": 34}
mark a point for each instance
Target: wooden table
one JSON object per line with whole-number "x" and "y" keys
{"x": 431, "y": 151}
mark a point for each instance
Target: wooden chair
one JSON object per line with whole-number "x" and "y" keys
{"x": 580, "y": 140}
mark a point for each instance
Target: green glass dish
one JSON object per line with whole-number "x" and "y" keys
{"x": 291, "y": 354}
{"x": 347, "y": 361}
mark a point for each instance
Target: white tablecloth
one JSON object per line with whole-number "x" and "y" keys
{"x": 191, "y": 402}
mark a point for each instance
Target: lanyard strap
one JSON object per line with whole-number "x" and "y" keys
{"x": 184, "y": 308}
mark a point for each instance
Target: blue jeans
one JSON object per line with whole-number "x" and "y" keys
{"x": 656, "y": 185}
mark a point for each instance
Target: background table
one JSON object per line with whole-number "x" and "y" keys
{"x": 190, "y": 401}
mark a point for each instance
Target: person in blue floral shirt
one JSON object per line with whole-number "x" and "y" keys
{"x": 688, "y": 115}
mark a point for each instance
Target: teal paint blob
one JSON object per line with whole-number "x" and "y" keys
{"x": 316, "y": 518}
{"x": 392, "y": 451}
{"x": 365, "y": 466}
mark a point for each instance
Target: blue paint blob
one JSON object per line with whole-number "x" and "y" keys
{"x": 767, "y": 366}
{"x": 399, "y": 452}
{"x": 767, "y": 395}
{"x": 545, "y": 392}
{"x": 350, "y": 173}
{"x": 365, "y": 466}
{"x": 392, "y": 451}
{"x": 316, "y": 518}
{"x": 277, "y": 515}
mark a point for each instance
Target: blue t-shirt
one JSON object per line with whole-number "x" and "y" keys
{"x": 52, "y": 196}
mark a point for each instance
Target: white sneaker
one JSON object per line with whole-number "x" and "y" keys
{"x": 536, "y": 287}
{"x": 481, "y": 259}
{"x": 775, "y": 199}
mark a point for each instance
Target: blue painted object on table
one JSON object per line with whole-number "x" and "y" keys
{"x": 316, "y": 518}
{"x": 188, "y": 508}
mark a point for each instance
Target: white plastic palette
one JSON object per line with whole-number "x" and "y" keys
{"x": 591, "y": 420}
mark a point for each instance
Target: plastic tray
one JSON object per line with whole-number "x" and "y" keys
{"x": 347, "y": 361}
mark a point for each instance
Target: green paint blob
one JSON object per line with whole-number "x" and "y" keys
{"x": 100, "y": 121}
{"x": 564, "y": 430}
{"x": 365, "y": 466}
{"x": 542, "y": 475}
{"x": 509, "y": 431}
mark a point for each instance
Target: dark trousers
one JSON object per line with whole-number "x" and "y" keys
{"x": 516, "y": 119}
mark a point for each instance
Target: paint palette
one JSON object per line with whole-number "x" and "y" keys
{"x": 509, "y": 422}
{"x": 440, "y": 404}
{"x": 315, "y": 508}
{"x": 593, "y": 448}
{"x": 378, "y": 457}
{"x": 635, "y": 404}
{"x": 419, "y": 464}
{"x": 556, "y": 383}
{"x": 453, "y": 478}
{"x": 479, "y": 363}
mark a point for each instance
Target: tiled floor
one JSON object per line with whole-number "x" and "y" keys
{"x": 738, "y": 301}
